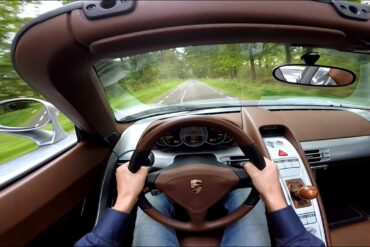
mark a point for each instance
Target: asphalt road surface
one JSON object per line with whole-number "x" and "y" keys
{"x": 39, "y": 120}
{"x": 192, "y": 90}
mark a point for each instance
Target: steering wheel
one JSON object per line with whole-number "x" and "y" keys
{"x": 197, "y": 183}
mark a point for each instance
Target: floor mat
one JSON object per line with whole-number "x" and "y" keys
{"x": 341, "y": 214}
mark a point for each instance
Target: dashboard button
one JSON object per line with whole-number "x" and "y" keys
{"x": 295, "y": 163}
{"x": 311, "y": 219}
{"x": 304, "y": 220}
{"x": 282, "y": 153}
{"x": 280, "y": 164}
{"x": 287, "y": 164}
{"x": 311, "y": 230}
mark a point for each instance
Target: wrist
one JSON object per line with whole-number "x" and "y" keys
{"x": 125, "y": 203}
{"x": 274, "y": 202}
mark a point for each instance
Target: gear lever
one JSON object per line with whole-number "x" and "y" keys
{"x": 301, "y": 194}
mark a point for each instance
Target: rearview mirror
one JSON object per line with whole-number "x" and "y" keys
{"x": 314, "y": 75}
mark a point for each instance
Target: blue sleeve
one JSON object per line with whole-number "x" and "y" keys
{"x": 109, "y": 230}
{"x": 288, "y": 230}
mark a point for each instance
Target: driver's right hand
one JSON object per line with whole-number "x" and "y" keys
{"x": 268, "y": 185}
{"x": 129, "y": 186}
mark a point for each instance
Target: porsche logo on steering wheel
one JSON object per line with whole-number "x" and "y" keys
{"x": 196, "y": 185}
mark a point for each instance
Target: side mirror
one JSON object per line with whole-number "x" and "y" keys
{"x": 314, "y": 75}
{"x": 27, "y": 118}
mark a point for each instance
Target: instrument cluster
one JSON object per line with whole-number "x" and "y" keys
{"x": 193, "y": 137}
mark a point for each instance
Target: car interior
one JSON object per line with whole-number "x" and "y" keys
{"x": 322, "y": 152}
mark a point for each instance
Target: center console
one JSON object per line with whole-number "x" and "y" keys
{"x": 295, "y": 181}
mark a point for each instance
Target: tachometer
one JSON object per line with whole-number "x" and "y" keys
{"x": 172, "y": 139}
{"x": 160, "y": 142}
{"x": 215, "y": 136}
{"x": 194, "y": 136}
{"x": 228, "y": 139}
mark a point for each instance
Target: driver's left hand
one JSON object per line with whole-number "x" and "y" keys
{"x": 129, "y": 186}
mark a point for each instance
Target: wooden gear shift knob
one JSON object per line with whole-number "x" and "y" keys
{"x": 307, "y": 192}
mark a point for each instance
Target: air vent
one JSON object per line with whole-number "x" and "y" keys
{"x": 237, "y": 160}
{"x": 317, "y": 156}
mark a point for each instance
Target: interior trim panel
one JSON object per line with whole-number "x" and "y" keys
{"x": 292, "y": 167}
{"x": 50, "y": 192}
{"x": 341, "y": 149}
{"x": 312, "y": 125}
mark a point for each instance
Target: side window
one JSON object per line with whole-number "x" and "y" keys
{"x": 31, "y": 130}
{"x": 27, "y": 124}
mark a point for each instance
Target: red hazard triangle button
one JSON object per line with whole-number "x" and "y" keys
{"x": 282, "y": 153}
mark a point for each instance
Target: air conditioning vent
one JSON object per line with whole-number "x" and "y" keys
{"x": 317, "y": 156}
{"x": 237, "y": 160}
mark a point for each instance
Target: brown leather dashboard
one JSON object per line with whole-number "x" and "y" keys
{"x": 310, "y": 125}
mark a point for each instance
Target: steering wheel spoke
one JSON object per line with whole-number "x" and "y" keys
{"x": 244, "y": 179}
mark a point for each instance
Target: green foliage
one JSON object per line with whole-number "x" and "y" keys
{"x": 10, "y": 23}
{"x": 253, "y": 90}
{"x": 13, "y": 146}
{"x": 123, "y": 97}
{"x": 19, "y": 118}
{"x": 240, "y": 69}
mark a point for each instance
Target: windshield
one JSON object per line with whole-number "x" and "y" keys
{"x": 197, "y": 77}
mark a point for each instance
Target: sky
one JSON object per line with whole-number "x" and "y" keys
{"x": 33, "y": 10}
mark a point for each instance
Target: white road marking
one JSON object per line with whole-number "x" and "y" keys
{"x": 160, "y": 102}
{"x": 41, "y": 118}
{"x": 183, "y": 96}
{"x": 229, "y": 97}
{"x": 221, "y": 93}
{"x": 166, "y": 97}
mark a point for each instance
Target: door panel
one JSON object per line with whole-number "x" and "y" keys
{"x": 32, "y": 204}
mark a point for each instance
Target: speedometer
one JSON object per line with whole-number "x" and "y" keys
{"x": 193, "y": 136}
{"x": 172, "y": 139}
{"x": 215, "y": 136}
{"x": 160, "y": 142}
{"x": 228, "y": 139}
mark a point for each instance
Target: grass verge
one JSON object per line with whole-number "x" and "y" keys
{"x": 131, "y": 95}
{"x": 251, "y": 90}
{"x": 12, "y": 146}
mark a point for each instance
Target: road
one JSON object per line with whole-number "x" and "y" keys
{"x": 192, "y": 90}
{"x": 40, "y": 119}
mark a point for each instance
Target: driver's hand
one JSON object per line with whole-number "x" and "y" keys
{"x": 268, "y": 185}
{"x": 129, "y": 186}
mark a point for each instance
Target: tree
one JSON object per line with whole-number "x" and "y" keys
{"x": 251, "y": 50}
{"x": 10, "y": 22}
{"x": 288, "y": 56}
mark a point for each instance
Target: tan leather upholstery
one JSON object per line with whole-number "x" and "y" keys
{"x": 341, "y": 77}
{"x": 202, "y": 239}
{"x": 352, "y": 235}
